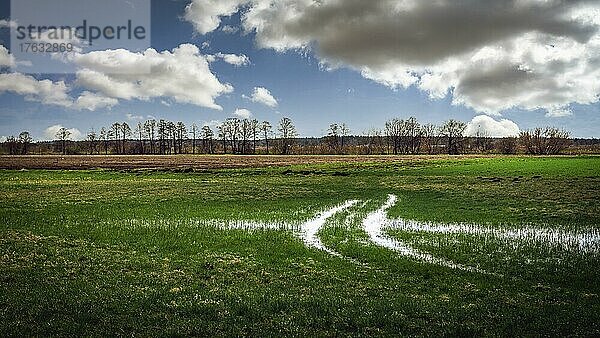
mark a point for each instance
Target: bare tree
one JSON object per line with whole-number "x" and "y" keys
{"x": 140, "y": 132}
{"x": 374, "y": 141}
{"x": 163, "y": 136}
{"x": 507, "y": 145}
{"x": 150, "y": 128}
{"x": 104, "y": 139}
{"x": 429, "y": 137}
{"x": 232, "y": 132}
{"x": 245, "y": 134}
{"x": 222, "y": 130}
{"x": 125, "y": 133}
{"x": 194, "y": 132}
{"x": 287, "y": 132}
{"x": 254, "y": 130}
{"x": 92, "y": 138}
{"x": 482, "y": 140}
{"x": 207, "y": 139}
{"x": 557, "y": 140}
{"x": 333, "y": 136}
{"x": 25, "y": 140}
{"x": 393, "y": 133}
{"x": 181, "y": 132}
{"x": 344, "y": 132}
{"x": 115, "y": 134}
{"x": 453, "y": 131}
{"x": 13, "y": 145}
{"x": 172, "y": 137}
{"x": 63, "y": 135}
{"x": 266, "y": 130}
{"x": 412, "y": 136}
{"x": 544, "y": 141}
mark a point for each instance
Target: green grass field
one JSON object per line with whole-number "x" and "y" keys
{"x": 103, "y": 253}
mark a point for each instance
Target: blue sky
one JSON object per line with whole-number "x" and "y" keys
{"x": 305, "y": 90}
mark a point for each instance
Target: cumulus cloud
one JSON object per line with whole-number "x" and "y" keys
{"x": 52, "y": 93}
{"x": 182, "y": 75}
{"x": 488, "y": 55}
{"x": 206, "y": 15}
{"x": 93, "y": 101}
{"x": 232, "y": 59}
{"x": 227, "y": 29}
{"x": 62, "y": 36}
{"x": 484, "y": 125}
{"x": 4, "y": 23}
{"x": 6, "y": 59}
{"x": 263, "y": 96}
{"x": 559, "y": 112}
{"x": 132, "y": 117}
{"x": 44, "y": 91}
{"x": 243, "y": 113}
{"x": 212, "y": 123}
{"x": 50, "y": 133}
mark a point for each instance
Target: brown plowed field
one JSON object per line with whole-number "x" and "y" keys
{"x": 182, "y": 161}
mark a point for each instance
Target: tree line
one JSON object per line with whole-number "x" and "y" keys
{"x": 250, "y": 136}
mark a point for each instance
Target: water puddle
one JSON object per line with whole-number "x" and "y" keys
{"x": 587, "y": 241}
{"x": 311, "y": 228}
{"x": 246, "y": 225}
{"x": 374, "y": 225}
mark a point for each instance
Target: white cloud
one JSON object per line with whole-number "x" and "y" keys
{"x": 227, "y": 29}
{"x": 105, "y": 89}
{"x": 232, "y": 59}
{"x": 213, "y": 124}
{"x": 242, "y": 113}
{"x": 484, "y": 125}
{"x": 51, "y": 93}
{"x": 50, "y": 133}
{"x": 206, "y": 15}
{"x": 132, "y": 117}
{"x": 263, "y": 96}
{"x": 93, "y": 101}
{"x": 62, "y": 36}
{"x": 393, "y": 77}
{"x": 559, "y": 112}
{"x": 6, "y": 59}
{"x": 488, "y": 55}
{"x": 8, "y": 23}
{"x": 182, "y": 75}
{"x": 44, "y": 91}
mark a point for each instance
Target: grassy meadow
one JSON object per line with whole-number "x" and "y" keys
{"x": 137, "y": 252}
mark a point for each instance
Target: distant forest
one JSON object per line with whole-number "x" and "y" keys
{"x": 252, "y": 137}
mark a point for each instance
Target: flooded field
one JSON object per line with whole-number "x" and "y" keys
{"x": 377, "y": 226}
{"x": 423, "y": 247}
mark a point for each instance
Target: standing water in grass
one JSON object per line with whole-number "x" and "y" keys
{"x": 311, "y": 228}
